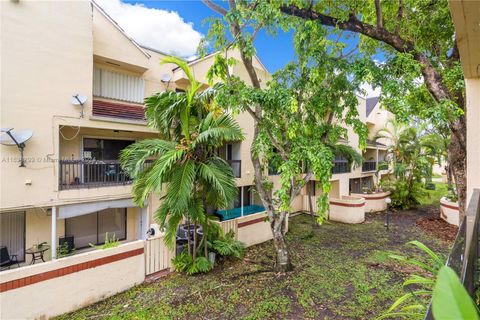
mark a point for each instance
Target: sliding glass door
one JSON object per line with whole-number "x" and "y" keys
{"x": 91, "y": 228}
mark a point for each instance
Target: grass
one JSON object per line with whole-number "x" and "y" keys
{"x": 341, "y": 272}
{"x": 433, "y": 196}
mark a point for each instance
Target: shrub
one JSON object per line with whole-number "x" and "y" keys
{"x": 109, "y": 242}
{"x": 185, "y": 263}
{"x": 228, "y": 246}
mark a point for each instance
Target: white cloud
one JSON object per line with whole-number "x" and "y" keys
{"x": 158, "y": 29}
{"x": 370, "y": 91}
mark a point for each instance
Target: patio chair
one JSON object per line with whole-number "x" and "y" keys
{"x": 7, "y": 260}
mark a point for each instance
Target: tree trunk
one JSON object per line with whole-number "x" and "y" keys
{"x": 283, "y": 257}
{"x": 457, "y": 163}
{"x": 188, "y": 238}
{"x": 310, "y": 204}
{"x": 194, "y": 255}
{"x": 205, "y": 243}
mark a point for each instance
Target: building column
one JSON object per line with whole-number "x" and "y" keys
{"x": 376, "y": 168}
{"x": 241, "y": 200}
{"x": 53, "y": 247}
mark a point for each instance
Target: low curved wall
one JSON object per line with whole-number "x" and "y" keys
{"x": 449, "y": 211}
{"x": 374, "y": 202}
{"x": 44, "y": 290}
{"x": 347, "y": 209}
{"x": 252, "y": 229}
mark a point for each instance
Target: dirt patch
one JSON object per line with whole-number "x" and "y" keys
{"x": 439, "y": 228}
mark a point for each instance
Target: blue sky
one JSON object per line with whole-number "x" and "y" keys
{"x": 274, "y": 52}
{"x": 176, "y": 27}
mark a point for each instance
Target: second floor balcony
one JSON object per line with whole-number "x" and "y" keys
{"x": 340, "y": 166}
{"x": 78, "y": 174}
{"x": 369, "y": 166}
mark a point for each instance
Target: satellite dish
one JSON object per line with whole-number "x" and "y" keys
{"x": 16, "y": 139}
{"x": 78, "y": 100}
{"x": 166, "y": 77}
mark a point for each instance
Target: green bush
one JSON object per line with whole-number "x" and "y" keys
{"x": 403, "y": 194}
{"x": 228, "y": 246}
{"x": 185, "y": 263}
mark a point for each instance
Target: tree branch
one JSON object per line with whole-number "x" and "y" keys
{"x": 378, "y": 11}
{"x": 215, "y": 7}
{"x": 433, "y": 79}
{"x": 399, "y": 15}
{"x": 354, "y": 25}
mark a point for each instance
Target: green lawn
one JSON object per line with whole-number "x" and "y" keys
{"x": 341, "y": 272}
{"x": 433, "y": 196}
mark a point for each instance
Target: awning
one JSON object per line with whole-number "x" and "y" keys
{"x": 75, "y": 210}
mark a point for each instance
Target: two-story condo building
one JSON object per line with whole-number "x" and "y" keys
{"x": 74, "y": 78}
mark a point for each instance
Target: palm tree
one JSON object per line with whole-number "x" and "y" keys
{"x": 185, "y": 169}
{"x": 410, "y": 160}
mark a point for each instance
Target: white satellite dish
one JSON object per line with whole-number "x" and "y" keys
{"x": 16, "y": 139}
{"x": 166, "y": 77}
{"x": 78, "y": 100}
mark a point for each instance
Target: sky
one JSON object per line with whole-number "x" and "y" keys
{"x": 176, "y": 27}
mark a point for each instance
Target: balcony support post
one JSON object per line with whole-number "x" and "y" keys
{"x": 241, "y": 201}
{"x": 53, "y": 247}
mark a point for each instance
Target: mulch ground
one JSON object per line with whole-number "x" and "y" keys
{"x": 340, "y": 271}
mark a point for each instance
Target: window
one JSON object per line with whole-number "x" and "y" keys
{"x": 91, "y": 228}
{"x": 103, "y": 149}
{"x": 12, "y": 233}
{"x": 247, "y": 197}
{"x": 119, "y": 86}
{"x": 357, "y": 184}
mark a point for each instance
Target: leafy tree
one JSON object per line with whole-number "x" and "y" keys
{"x": 184, "y": 168}
{"x": 436, "y": 142}
{"x": 300, "y": 117}
{"x": 421, "y": 73}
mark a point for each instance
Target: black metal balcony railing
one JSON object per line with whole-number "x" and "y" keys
{"x": 465, "y": 253}
{"x": 369, "y": 166}
{"x": 77, "y": 174}
{"x": 340, "y": 166}
{"x": 236, "y": 167}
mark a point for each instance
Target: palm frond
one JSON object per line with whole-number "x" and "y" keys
{"x": 220, "y": 130}
{"x": 181, "y": 186}
{"x": 218, "y": 176}
{"x": 133, "y": 157}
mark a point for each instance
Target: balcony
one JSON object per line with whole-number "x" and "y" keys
{"x": 340, "y": 166}
{"x": 78, "y": 174}
{"x": 369, "y": 166}
{"x": 236, "y": 167}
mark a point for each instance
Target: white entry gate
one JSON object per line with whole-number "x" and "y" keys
{"x": 157, "y": 256}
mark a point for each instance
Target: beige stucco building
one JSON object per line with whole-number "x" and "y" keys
{"x": 72, "y": 187}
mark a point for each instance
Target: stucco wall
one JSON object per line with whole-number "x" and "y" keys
{"x": 374, "y": 202}
{"x": 473, "y": 135}
{"x": 347, "y": 209}
{"x": 55, "y": 287}
{"x": 46, "y": 58}
{"x": 449, "y": 211}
